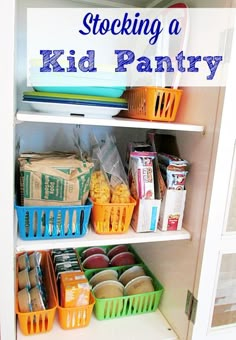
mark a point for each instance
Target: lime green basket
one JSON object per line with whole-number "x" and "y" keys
{"x": 110, "y": 308}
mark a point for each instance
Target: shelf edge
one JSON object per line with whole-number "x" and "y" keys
{"x": 93, "y": 239}
{"x": 30, "y": 116}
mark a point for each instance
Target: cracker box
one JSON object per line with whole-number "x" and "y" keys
{"x": 172, "y": 210}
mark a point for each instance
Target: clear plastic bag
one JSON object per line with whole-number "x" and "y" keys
{"x": 99, "y": 184}
{"x": 112, "y": 165}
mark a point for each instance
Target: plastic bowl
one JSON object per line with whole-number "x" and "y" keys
{"x": 96, "y": 261}
{"x": 116, "y": 250}
{"x": 104, "y": 275}
{"x": 130, "y": 274}
{"x": 91, "y": 251}
{"x": 123, "y": 259}
{"x": 108, "y": 289}
{"x": 139, "y": 285}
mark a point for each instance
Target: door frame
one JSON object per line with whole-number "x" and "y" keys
{"x": 216, "y": 242}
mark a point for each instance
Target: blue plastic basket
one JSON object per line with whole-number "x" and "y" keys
{"x": 50, "y": 222}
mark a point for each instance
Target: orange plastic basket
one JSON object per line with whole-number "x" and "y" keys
{"x": 76, "y": 317}
{"x": 40, "y": 321}
{"x": 112, "y": 218}
{"x": 152, "y": 103}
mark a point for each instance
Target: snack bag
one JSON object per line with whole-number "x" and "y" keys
{"x": 55, "y": 180}
{"x": 174, "y": 170}
{"x": 120, "y": 194}
{"x": 27, "y": 157}
{"x": 99, "y": 185}
{"x": 113, "y": 167}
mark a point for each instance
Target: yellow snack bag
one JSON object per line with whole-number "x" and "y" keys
{"x": 121, "y": 194}
{"x": 99, "y": 188}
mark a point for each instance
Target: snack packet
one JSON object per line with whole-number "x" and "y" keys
{"x": 174, "y": 170}
{"x": 55, "y": 180}
{"x": 99, "y": 187}
{"x": 99, "y": 184}
{"x": 112, "y": 165}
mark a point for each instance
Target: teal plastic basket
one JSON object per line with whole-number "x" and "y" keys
{"x": 110, "y": 308}
{"x": 53, "y": 222}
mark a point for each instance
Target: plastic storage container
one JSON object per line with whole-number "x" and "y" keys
{"x": 72, "y": 317}
{"x": 110, "y": 308}
{"x": 152, "y": 103}
{"x": 41, "y": 321}
{"x": 76, "y": 317}
{"x": 49, "y": 222}
{"x": 112, "y": 218}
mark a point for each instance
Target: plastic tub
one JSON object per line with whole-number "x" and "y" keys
{"x": 112, "y": 218}
{"x": 49, "y": 222}
{"x": 40, "y": 321}
{"x": 152, "y": 103}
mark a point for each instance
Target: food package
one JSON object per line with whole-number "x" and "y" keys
{"x": 31, "y": 293}
{"x": 99, "y": 187}
{"x": 27, "y": 157}
{"x": 55, "y": 180}
{"x": 142, "y": 187}
{"x": 135, "y": 146}
{"x": 141, "y": 177}
{"x": 75, "y": 289}
{"x": 174, "y": 170}
{"x": 112, "y": 165}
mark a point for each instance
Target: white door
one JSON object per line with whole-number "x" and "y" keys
{"x": 216, "y": 293}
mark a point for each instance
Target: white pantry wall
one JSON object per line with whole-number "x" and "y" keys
{"x": 45, "y": 137}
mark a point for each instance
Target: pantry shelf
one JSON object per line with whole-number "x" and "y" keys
{"x": 93, "y": 239}
{"x": 150, "y": 326}
{"x": 40, "y": 117}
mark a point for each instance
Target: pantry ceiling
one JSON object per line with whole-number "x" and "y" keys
{"x": 125, "y": 3}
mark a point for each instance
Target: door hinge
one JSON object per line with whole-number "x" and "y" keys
{"x": 191, "y": 306}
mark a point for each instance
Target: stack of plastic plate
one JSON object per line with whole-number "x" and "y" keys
{"x": 75, "y": 104}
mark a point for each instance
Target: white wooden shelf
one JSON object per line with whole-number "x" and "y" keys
{"x": 138, "y": 327}
{"x": 93, "y": 239}
{"x": 38, "y": 117}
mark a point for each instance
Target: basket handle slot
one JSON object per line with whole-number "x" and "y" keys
{"x": 81, "y": 222}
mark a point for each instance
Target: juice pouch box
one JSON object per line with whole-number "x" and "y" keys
{"x": 75, "y": 289}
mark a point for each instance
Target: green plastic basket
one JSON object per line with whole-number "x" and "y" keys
{"x": 110, "y": 308}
